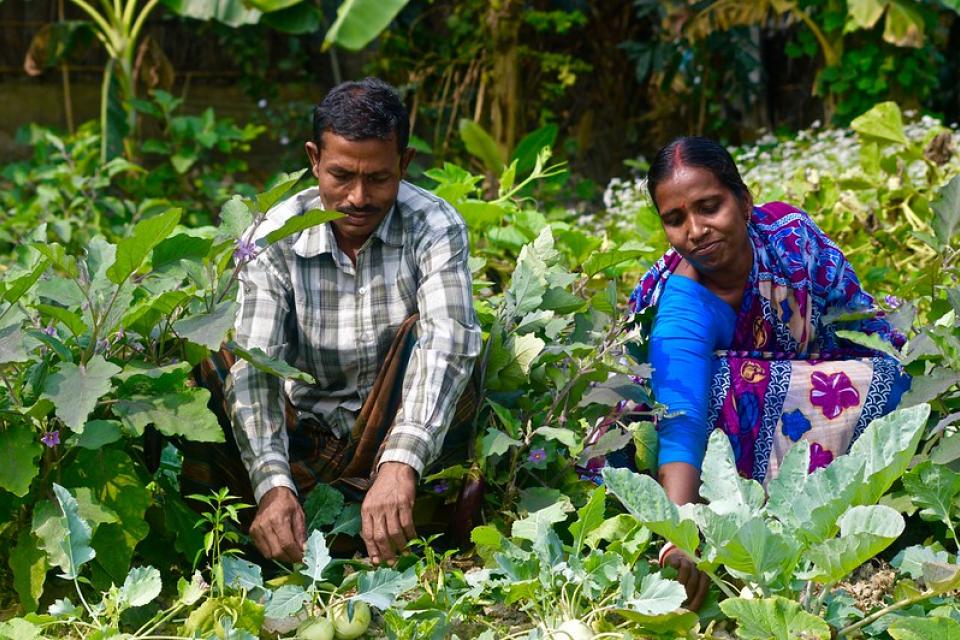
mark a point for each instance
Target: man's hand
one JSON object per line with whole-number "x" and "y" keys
{"x": 696, "y": 582}
{"x": 279, "y": 530}
{"x": 387, "y": 512}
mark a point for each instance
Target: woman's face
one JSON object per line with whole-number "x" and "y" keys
{"x": 703, "y": 220}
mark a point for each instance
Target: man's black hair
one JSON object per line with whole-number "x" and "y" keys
{"x": 362, "y": 110}
{"x": 695, "y": 151}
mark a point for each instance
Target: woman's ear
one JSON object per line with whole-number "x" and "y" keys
{"x": 748, "y": 207}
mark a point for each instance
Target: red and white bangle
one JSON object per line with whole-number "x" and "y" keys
{"x": 666, "y": 550}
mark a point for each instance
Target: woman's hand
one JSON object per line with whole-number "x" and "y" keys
{"x": 696, "y": 582}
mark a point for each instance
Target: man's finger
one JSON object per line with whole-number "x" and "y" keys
{"x": 406, "y": 522}
{"x": 300, "y": 527}
{"x": 381, "y": 538}
{"x": 395, "y": 531}
{"x": 366, "y": 532}
{"x": 702, "y": 590}
{"x": 290, "y": 551}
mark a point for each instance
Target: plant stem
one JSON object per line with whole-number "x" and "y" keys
{"x": 873, "y": 617}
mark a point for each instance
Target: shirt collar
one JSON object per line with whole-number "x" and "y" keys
{"x": 319, "y": 240}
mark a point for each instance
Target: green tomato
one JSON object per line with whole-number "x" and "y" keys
{"x": 573, "y": 630}
{"x": 347, "y": 628}
{"x": 315, "y": 629}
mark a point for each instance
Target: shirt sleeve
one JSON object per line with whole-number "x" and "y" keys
{"x": 255, "y": 397}
{"x": 691, "y": 323}
{"x": 441, "y": 362}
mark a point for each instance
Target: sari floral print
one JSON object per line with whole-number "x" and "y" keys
{"x": 787, "y": 375}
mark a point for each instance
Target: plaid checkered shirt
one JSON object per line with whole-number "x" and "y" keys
{"x": 302, "y": 300}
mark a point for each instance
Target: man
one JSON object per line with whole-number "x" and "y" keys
{"x": 330, "y": 300}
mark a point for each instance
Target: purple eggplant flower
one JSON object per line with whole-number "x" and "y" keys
{"x": 245, "y": 251}
{"x": 440, "y": 486}
{"x": 49, "y": 330}
{"x": 537, "y": 455}
{"x": 50, "y": 438}
{"x": 892, "y": 301}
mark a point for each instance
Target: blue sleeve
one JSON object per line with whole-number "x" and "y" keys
{"x": 691, "y": 324}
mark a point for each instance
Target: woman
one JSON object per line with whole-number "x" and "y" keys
{"x": 744, "y": 337}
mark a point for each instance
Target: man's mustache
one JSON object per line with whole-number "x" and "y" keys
{"x": 352, "y": 211}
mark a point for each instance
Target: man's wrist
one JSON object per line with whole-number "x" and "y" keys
{"x": 400, "y": 470}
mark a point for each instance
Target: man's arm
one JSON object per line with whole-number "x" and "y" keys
{"x": 440, "y": 364}
{"x": 255, "y": 401}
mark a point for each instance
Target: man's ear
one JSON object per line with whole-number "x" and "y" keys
{"x": 313, "y": 153}
{"x": 405, "y": 159}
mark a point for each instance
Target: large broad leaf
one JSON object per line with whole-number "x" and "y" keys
{"x": 230, "y": 12}
{"x": 597, "y": 262}
{"x": 774, "y": 618}
{"x": 721, "y": 484}
{"x": 863, "y": 14}
{"x": 946, "y": 209}
{"x": 20, "y": 629}
{"x": 934, "y": 488}
{"x": 21, "y": 449}
{"x": 134, "y": 249}
{"x": 65, "y": 535}
{"x": 241, "y": 574}
{"x": 265, "y": 363}
{"x": 589, "y": 518}
{"x": 76, "y": 389}
{"x": 870, "y": 341}
{"x": 864, "y": 532}
{"x": 316, "y": 558}
{"x": 274, "y": 194}
{"x": 208, "y": 329}
{"x": 360, "y": 21}
{"x": 911, "y": 560}
{"x": 941, "y": 576}
{"x": 657, "y": 595}
{"x": 141, "y": 586}
{"x": 301, "y": 222}
{"x": 904, "y": 25}
{"x": 756, "y": 550}
{"x": 508, "y": 365}
{"x": 883, "y": 122}
{"x": 380, "y": 588}
{"x": 538, "y": 524}
{"x": 175, "y": 414}
{"x": 11, "y": 345}
{"x": 530, "y": 145}
{"x": 645, "y": 499}
{"x": 113, "y": 479}
{"x": 29, "y": 564}
{"x": 479, "y": 144}
{"x": 914, "y": 628}
{"x": 286, "y": 601}
{"x": 810, "y": 504}
{"x": 322, "y": 506}
{"x": 529, "y": 283}
{"x": 235, "y": 216}
{"x": 886, "y": 447}
{"x": 302, "y": 18}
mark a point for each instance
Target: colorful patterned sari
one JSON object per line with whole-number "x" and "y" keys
{"x": 787, "y": 376}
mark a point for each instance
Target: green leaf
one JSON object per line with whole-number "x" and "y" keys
{"x": 930, "y": 386}
{"x": 240, "y": 574}
{"x": 181, "y": 246}
{"x": 75, "y": 389}
{"x": 141, "y": 586}
{"x": 525, "y": 155}
{"x": 774, "y": 618}
{"x": 21, "y": 450}
{"x": 536, "y": 525}
{"x": 566, "y": 437}
{"x": 133, "y": 249}
{"x": 348, "y": 522}
{"x": 380, "y": 588}
{"x": 941, "y": 576}
{"x": 529, "y": 282}
{"x": 870, "y": 341}
{"x": 887, "y": 447}
{"x": 300, "y": 19}
{"x": 184, "y": 413}
{"x": 316, "y": 558}
{"x": 612, "y": 529}
{"x": 479, "y": 214}
{"x": 645, "y": 499}
{"x": 360, "y": 21}
{"x": 65, "y": 535}
{"x": 54, "y": 343}
{"x": 230, "y": 12}
{"x": 946, "y": 209}
{"x": 70, "y": 319}
{"x": 272, "y": 196}
{"x": 18, "y": 286}
{"x": 303, "y": 221}
{"x": 562, "y": 301}
{"x": 479, "y": 144}
{"x": 914, "y": 628}
{"x": 657, "y": 596}
{"x": 934, "y": 488}
{"x": 29, "y": 565}
{"x": 97, "y": 434}
{"x": 904, "y": 25}
{"x": 208, "y": 329}
{"x": 647, "y": 444}
{"x": 598, "y": 262}
{"x": 721, "y": 484}
{"x": 757, "y": 549}
{"x": 265, "y": 363}
{"x": 883, "y": 122}
{"x": 11, "y": 345}
{"x": 286, "y": 601}
{"x": 19, "y": 629}
{"x": 863, "y": 14}
{"x": 266, "y": 6}
{"x": 322, "y": 506}
{"x": 912, "y": 560}
{"x": 589, "y": 518}
{"x": 497, "y": 443}
{"x": 864, "y": 532}
{"x": 190, "y": 593}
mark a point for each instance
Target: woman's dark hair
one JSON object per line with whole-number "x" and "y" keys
{"x": 362, "y": 110}
{"x": 694, "y": 151}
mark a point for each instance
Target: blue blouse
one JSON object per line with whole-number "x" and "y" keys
{"x": 694, "y": 323}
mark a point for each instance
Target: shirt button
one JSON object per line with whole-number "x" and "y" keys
{"x": 362, "y": 290}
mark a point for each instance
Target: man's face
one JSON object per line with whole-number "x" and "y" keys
{"x": 359, "y": 178}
